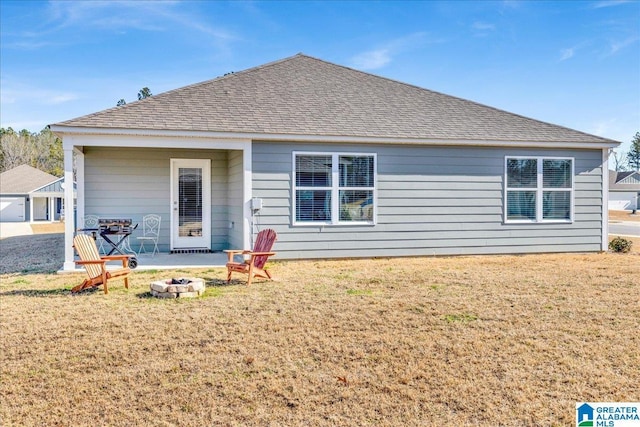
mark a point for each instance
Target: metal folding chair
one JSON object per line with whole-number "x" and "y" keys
{"x": 91, "y": 222}
{"x": 150, "y": 233}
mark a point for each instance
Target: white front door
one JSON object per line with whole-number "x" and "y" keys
{"x": 190, "y": 203}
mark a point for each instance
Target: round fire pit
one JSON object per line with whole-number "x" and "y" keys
{"x": 183, "y": 287}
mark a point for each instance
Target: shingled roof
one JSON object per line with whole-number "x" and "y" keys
{"x": 24, "y": 179}
{"x": 624, "y": 181}
{"x": 302, "y": 95}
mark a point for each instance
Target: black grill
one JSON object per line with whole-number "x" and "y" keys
{"x": 114, "y": 226}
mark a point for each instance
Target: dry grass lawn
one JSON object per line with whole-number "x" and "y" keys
{"x": 624, "y": 216}
{"x": 478, "y": 341}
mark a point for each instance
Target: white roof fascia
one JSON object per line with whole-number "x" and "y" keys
{"x": 230, "y": 137}
{"x": 69, "y": 141}
{"x": 47, "y": 194}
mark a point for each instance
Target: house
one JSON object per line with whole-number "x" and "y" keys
{"x": 624, "y": 190}
{"x": 29, "y": 194}
{"x": 585, "y": 415}
{"x": 341, "y": 163}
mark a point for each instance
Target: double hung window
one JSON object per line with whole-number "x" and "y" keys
{"x": 538, "y": 189}
{"x": 334, "y": 188}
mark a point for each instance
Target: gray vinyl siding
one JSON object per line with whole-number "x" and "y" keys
{"x": 430, "y": 201}
{"x": 132, "y": 182}
{"x": 54, "y": 187}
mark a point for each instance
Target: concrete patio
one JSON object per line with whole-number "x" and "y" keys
{"x": 167, "y": 261}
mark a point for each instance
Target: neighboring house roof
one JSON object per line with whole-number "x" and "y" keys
{"x": 624, "y": 181}
{"x": 302, "y": 95}
{"x": 24, "y": 179}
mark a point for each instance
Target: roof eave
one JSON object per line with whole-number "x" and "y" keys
{"x": 64, "y": 130}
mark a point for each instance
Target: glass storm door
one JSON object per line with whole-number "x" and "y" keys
{"x": 190, "y": 203}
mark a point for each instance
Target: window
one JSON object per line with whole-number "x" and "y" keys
{"x": 538, "y": 189}
{"x": 334, "y": 188}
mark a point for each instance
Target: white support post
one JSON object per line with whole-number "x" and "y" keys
{"x": 80, "y": 192}
{"x": 30, "y": 198}
{"x": 605, "y": 198}
{"x": 247, "y": 184}
{"x": 52, "y": 207}
{"x": 69, "y": 217}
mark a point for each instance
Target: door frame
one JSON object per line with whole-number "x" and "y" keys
{"x": 205, "y": 165}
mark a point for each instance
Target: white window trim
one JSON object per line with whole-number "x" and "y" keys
{"x": 539, "y": 189}
{"x": 334, "y": 188}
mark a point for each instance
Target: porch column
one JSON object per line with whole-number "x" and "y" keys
{"x": 247, "y": 186}
{"x": 80, "y": 187}
{"x": 52, "y": 207}
{"x": 30, "y": 199}
{"x": 69, "y": 211}
{"x": 605, "y": 198}
{"x": 69, "y": 220}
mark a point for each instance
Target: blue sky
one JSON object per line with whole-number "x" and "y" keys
{"x": 573, "y": 63}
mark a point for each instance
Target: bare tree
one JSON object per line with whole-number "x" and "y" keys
{"x": 41, "y": 150}
{"x": 15, "y": 150}
{"x": 633, "y": 156}
{"x": 618, "y": 161}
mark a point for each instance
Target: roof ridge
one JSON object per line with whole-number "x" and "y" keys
{"x": 230, "y": 74}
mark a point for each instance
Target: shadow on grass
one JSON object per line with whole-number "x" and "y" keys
{"x": 220, "y": 282}
{"x": 36, "y": 292}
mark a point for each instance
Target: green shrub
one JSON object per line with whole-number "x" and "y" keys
{"x": 620, "y": 245}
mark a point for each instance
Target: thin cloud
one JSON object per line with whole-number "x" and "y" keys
{"x": 29, "y": 45}
{"x": 383, "y": 55}
{"x": 371, "y": 60}
{"x": 570, "y": 52}
{"x": 603, "y": 127}
{"x": 483, "y": 26}
{"x": 108, "y": 14}
{"x": 482, "y": 29}
{"x": 567, "y": 53}
{"x": 609, "y": 3}
{"x": 13, "y": 93}
{"x": 119, "y": 16}
{"x": 616, "y": 46}
{"x": 55, "y": 99}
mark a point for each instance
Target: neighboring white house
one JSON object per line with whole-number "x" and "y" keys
{"x": 340, "y": 163}
{"x": 624, "y": 190}
{"x": 29, "y": 194}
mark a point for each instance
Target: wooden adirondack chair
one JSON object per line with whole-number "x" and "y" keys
{"x": 254, "y": 266}
{"x": 95, "y": 265}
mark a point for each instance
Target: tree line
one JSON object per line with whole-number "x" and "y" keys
{"x": 42, "y": 150}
